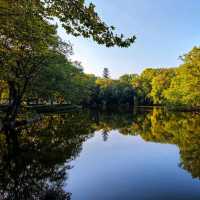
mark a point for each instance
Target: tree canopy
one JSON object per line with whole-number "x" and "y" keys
{"x": 185, "y": 86}
{"x": 29, "y": 40}
{"x": 76, "y": 17}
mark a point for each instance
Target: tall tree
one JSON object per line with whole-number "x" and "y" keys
{"x": 106, "y": 73}
{"x": 185, "y": 86}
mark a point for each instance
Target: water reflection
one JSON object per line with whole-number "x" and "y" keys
{"x": 35, "y": 160}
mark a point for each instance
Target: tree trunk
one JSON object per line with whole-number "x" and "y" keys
{"x": 51, "y": 99}
{"x": 15, "y": 99}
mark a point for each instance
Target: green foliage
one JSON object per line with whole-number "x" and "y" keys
{"x": 160, "y": 83}
{"x": 26, "y": 43}
{"x": 29, "y": 41}
{"x": 171, "y": 86}
{"x": 185, "y": 86}
{"x": 143, "y": 85}
{"x": 62, "y": 82}
{"x": 35, "y": 64}
{"x": 128, "y": 78}
{"x": 76, "y": 17}
{"x": 113, "y": 92}
{"x": 3, "y": 91}
{"x": 79, "y": 19}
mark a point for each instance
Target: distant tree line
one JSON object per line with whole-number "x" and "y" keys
{"x": 62, "y": 81}
{"x": 170, "y": 86}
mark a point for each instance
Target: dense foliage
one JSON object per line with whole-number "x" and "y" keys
{"x": 174, "y": 86}
{"x": 110, "y": 93}
{"x": 35, "y": 64}
{"x": 154, "y": 86}
{"x": 29, "y": 42}
{"x": 185, "y": 86}
{"x": 169, "y": 86}
{"x": 62, "y": 81}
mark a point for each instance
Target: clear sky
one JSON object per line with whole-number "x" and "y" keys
{"x": 165, "y": 29}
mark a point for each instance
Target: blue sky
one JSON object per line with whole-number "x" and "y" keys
{"x": 165, "y": 29}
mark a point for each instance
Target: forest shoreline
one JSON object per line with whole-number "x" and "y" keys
{"x": 60, "y": 108}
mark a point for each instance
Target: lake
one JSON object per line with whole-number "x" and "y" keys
{"x": 88, "y": 155}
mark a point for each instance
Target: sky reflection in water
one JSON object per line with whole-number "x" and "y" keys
{"x": 94, "y": 156}
{"x": 127, "y": 167}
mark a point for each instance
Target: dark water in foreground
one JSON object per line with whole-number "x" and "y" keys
{"x": 147, "y": 155}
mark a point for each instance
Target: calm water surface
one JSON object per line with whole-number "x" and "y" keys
{"x": 145, "y": 155}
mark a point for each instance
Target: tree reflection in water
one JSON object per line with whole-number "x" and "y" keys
{"x": 161, "y": 126}
{"x": 34, "y": 160}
